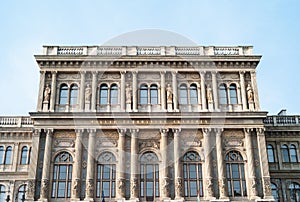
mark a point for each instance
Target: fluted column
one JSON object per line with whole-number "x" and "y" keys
{"x": 175, "y": 89}
{"x": 122, "y": 94}
{"x": 163, "y": 90}
{"x": 215, "y": 89}
{"x": 255, "y": 90}
{"x": 266, "y": 182}
{"x": 208, "y": 164}
{"x": 177, "y": 167}
{"x": 221, "y": 170}
{"x": 134, "y": 91}
{"x": 203, "y": 90}
{"x": 121, "y": 165}
{"x": 41, "y": 90}
{"x": 94, "y": 91}
{"x": 89, "y": 195}
{"x": 164, "y": 182}
{"x": 76, "y": 177}
{"x": 81, "y": 92}
{"x": 251, "y": 166}
{"x": 46, "y": 166}
{"x": 134, "y": 165}
{"x": 243, "y": 90}
{"x": 53, "y": 91}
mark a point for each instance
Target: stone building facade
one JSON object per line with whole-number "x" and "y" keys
{"x": 148, "y": 124}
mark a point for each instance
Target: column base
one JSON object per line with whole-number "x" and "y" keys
{"x": 220, "y": 200}
{"x": 43, "y": 200}
{"x": 265, "y": 200}
{"x": 88, "y": 199}
{"x": 209, "y": 198}
{"x": 177, "y": 200}
{"x": 133, "y": 200}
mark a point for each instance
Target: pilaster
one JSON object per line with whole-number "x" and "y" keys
{"x": 255, "y": 90}
{"x": 243, "y": 91}
{"x": 81, "y": 92}
{"x": 202, "y": 86}
{"x": 215, "y": 89}
{"x": 122, "y": 89}
{"x": 89, "y": 193}
{"x": 134, "y": 91}
{"x": 41, "y": 90}
{"x": 121, "y": 170}
{"x": 175, "y": 90}
{"x": 94, "y": 90}
{"x": 163, "y": 90}
{"x": 53, "y": 93}
{"x": 177, "y": 167}
{"x": 164, "y": 182}
{"x": 134, "y": 165}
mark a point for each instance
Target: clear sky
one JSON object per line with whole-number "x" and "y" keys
{"x": 271, "y": 26}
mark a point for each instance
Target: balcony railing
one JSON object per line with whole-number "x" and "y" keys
{"x": 282, "y": 120}
{"x": 15, "y": 121}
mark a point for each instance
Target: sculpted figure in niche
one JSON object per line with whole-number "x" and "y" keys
{"x": 249, "y": 93}
{"x": 88, "y": 93}
{"x": 47, "y": 93}
{"x": 169, "y": 93}
{"x": 209, "y": 93}
{"x": 128, "y": 93}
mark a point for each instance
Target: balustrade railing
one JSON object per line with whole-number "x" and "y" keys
{"x": 282, "y": 120}
{"x": 7, "y": 121}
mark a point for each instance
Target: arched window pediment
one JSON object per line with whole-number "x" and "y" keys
{"x": 149, "y": 157}
{"x": 63, "y": 157}
{"x": 106, "y": 157}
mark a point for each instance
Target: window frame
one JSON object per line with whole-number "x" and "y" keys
{"x": 193, "y": 94}
{"x": 270, "y": 153}
{"x": 222, "y": 92}
{"x": 24, "y": 155}
{"x": 8, "y": 151}
{"x": 103, "y": 94}
{"x": 233, "y": 94}
{"x": 114, "y": 94}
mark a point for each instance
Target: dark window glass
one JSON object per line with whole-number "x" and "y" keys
{"x": 153, "y": 95}
{"x": 293, "y": 153}
{"x": 285, "y": 153}
{"x": 233, "y": 94}
{"x": 103, "y": 100}
{"x": 270, "y": 150}
{"x": 63, "y": 95}
{"x": 275, "y": 192}
{"x": 1, "y": 154}
{"x": 294, "y": 192}
{"x": 114, "y": 94}
{"x": 24, "y": 155}
{"x": 193, "y": 94}
{"x": 8, "y": 154}
{"x": 74, "y": 95}
{"x": 183, "y": 95}
{"x": 2, "y": 193}
{"x": 144, "y": 94}
{"x": 223, "y": 94}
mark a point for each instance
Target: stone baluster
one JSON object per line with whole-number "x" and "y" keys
{"x": 266, "y": 182}
{"x": 177, "y": 167}
{"x": 220, "y": 160}
{"x": 53, "y": 91}
{"x": 121, "y": 165}
{"x": 81, "y": 92}
{"x": 122, "y": 89}
{"x": 163, "y": 90}
{"x": 208, "y": 163}
{"x": 203, "y": 90}
{"x": 46, "y": 166}
{"x": 164, "y": 187}
{"x": 89, "y": 194}
{"x": 215, "y": 90}
{"x": 255, "y": 90}
{"x": 175, "y": 89}
{"x": 134, "y": 91}
{"x": 76, "y": 182}
{"x": 134, "y": 165}
{"x": 243, "y": 91}
{"x": 251, "y": 166}
{"x": 41, "y": 90}
{"x": 94, "y": 91}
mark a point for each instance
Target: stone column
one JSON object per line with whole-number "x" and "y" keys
{"x": 134, "y": 165}
{"x": 94, "y": 91}
{"x": 46, "y": 166}
{"x": 215, "y": 89}
{"x": 177, "y": 167}
{"x": 255, "y": 90}
{"x": 122, "y": 93}
{"x": 208, "y": 164}
{"x": 121, "y": 165}
{"x": 175, "y": 89}
{"x": 220, "y": 159}
{"x": 76, "y": 177}
{"x": 251, "y": 167}
{"x": 163, "y": 90}
{"x": 243, "y": 91}
{"x": 266, "y": 182}
{"x": 41, "y": 90}
{"x": 81, "y": 93}
{"x": 164, "y": 180}
{"x": 90, "y": 186}
{"x": 15, "y": 156}
{"x": 203, "y": 90}
{"x": 134, "y": 91}
{"x": 53, "y": 91}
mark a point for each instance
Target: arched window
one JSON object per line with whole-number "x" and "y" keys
{"x": 293, "y": 153}
{"x": 62, "y": 176}
{"x": 193, "y": 94}
{"x": 270, "y": 151}
{"x": 114, "y": 94}
{"x": 294, "y": 192}
{"x": 103, "y": 99}
{"x": 24, "y": 154}
{"x": 285, "y": 153}
{"x": 223, "y": 94}
{"x": 73, "y": 94}
{"x": 8, "y": 153}
{"x": 63, "y": 94}
{"x": 149, "y": 187}
{"x": 275, "y": 192}
{"x": 21, "y": 193}
{"x": 183, "y": 94}
{"x": 153, "y": 94}
{"x": 192, "y": 174}
{"x": 1, "y": 154}
{"x": 143, "y": 94}
{"x": 235, "y": 174}
{"x": 2, "y": 193}
{"x": 106, "y": 176}
{"x": 233, "y": 94}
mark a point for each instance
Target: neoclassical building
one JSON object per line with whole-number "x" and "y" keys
{"x": 149, "y": 124}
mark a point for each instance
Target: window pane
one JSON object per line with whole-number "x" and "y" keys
{"x": 63, "y": 96}
{"x": 62, "y": 172}
{"x": 114, "y": 95}
{"x": 237, "y": 188}
{"x": 270, "y": 154}
{"x": 24, "y": 155}
{"x": 61, "y": 189}
{"x": 186, "y": 188}
{"x": 53, "y": 189}
{"x": 235, "y": 171}
{"x": 98, "y": 189}
{"x": 149, "y": 190}
{"x": 149, "y": 170}
{"x": 183, "y": 95}
{"x": 285, "y": 153}
{"x": 103, "y": 95}
{"x": 106, "y": 172}
{"x": 193, "y": 174}
{"x": 193, "y": 94}
{"x": 73, "y": 95}
{"x": 222, "y": 94}
{"x": 8, "y": 155}
{"x": 144, "y": 94}
{"x": 54, "y": 172}
{"x": 1, "y": 154}
{"x": 233, "y": 94}
{"x": 293, "y": 153}
{"x": 105, "y": 187}
{"x": 193, "y": 188}
{"x": 153, "y": 95}
{"x": 156, "y": 189}
{"x": 185, "y": 171}
{"x": 142, "y": 189}
{"x": 70, "y": 172}
{"x": 229, "y": 189}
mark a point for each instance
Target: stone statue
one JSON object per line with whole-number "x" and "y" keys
{"x": 45, "y": 184}
{"x": 209, "y": 93}
{"x": 88, "y": 93}
{"x": 249, "y": 93}
{"x": 128, "y": 93}
{"x": 169, "y": 93}
{"x": 178, "y": 186}
{"x": 47, "y": 93}
{"x": 90, "y": 188}
{"x": 165, "y": 186}
{"x": 133, "y": 187}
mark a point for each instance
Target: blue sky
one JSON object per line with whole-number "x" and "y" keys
{"x": 271, "y": 26}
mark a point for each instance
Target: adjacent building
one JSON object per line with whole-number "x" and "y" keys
{"x": 149, "y": 124}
